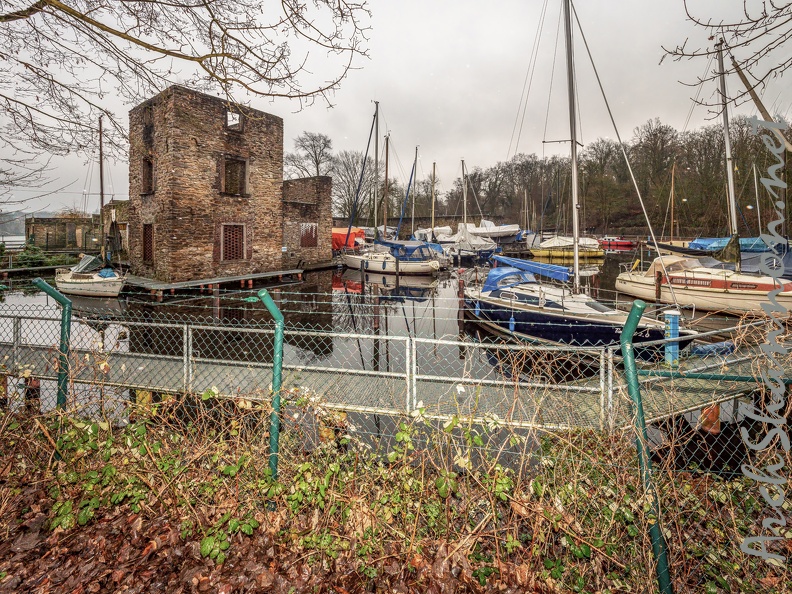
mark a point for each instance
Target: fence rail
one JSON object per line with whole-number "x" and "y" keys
{"x": 556, "y": 424}
{"x": 523, "y": 385}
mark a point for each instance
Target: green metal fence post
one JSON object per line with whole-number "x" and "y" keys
{"x": 659, "y": 549}
{"x": 63, "y": 360}
{"x": 277, "y": 373}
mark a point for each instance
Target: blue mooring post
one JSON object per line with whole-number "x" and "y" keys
{"x": 277, "y": 374}
{"x": 672, "y": 331}
{"x": 659, "y": 549}
{"x": 63, "y": 359}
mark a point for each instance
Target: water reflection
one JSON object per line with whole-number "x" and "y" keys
{"x": 375, "y": 311}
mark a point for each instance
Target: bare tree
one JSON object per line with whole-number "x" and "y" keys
{"x": 63, "y": 64}
{"x": 758, "y": 37}
{"x": 312, "y": 156}
{"x": 347, "y": 186}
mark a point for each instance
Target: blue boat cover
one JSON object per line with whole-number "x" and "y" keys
{"x": 498, "y": 278}
{"x": 712, "y": 244}
{"x": 411, "y": 251}
{"x": 553, "y": 271}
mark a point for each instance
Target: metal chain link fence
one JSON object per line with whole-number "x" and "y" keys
{"x": 548, "y": 433}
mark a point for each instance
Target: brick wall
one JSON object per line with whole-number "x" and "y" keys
{"x": 55, "y": 233}
{"x": 191, "y": 148}
{"x": 307, "y": 203}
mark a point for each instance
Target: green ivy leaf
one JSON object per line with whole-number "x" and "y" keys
{"x": 207, "y": 544}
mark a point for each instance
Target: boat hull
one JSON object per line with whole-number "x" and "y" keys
{"x": 387, "y": 264}
{"x": 546, "y": 327}
{"x": 617, "y": 245}
{"x": 732, "y": 301}
{"x": 93, "y": 287}
{"x": 567, "y": 253}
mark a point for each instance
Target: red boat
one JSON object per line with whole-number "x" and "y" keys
{"x": 616, "y": 244}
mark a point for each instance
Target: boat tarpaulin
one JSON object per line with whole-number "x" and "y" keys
{"x": 504, "y": 277}
{"x": 340, "y": 239}
{"x": 553, "y": 271}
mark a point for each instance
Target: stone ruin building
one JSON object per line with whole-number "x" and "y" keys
{"x": 207, "y": 198}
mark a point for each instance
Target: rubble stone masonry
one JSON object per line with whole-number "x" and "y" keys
{"x": 307, "y": 210}
{"x": 193, "y": 170}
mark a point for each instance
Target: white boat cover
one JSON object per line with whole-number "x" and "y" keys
{"x": 560, "y": 241}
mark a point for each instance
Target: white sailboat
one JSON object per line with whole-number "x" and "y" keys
{"x": 92, "y": 276}
{"x": 687, "y": 282}
{"x": 464, "y": 244}
{"x": 386, "y": 255}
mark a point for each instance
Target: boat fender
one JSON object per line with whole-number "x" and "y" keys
{"x": 365, "y": 264}
{"x": 511, "y": 324}
{"x": 477, "y": 309}
{"x": 383, "y": 264}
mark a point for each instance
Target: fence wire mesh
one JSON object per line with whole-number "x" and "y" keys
{"x": 501, "y": 459}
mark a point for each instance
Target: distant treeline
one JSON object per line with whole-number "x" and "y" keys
{"x": 537, "y": 190}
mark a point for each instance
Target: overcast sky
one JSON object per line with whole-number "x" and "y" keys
{"x": 450, "y": 74}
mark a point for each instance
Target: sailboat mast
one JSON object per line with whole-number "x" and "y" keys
{"x": 385, "y": 198}
{"x": 464, "y": 195}
{"x": 573, "y": 135}
{"x": 415, "y": 188}
{"x": 756, "y": 194}
{"x": 376, "y": 164}
{"x": 727, "y": 143}
{"x": 673, "y": 168}
{"x": 434, "y": 170}
{"x": 101, "y": 189}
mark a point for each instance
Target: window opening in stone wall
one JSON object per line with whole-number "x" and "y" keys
{"x": 234, "y": 120}
{"x": 309, "y": 234}
{"x": 148, "y": 243}
{"x": 146, "y": 176}
{"x": 234, "y": 176}
{"x": 148, "y": 127}
{"x": 233, "y": 242}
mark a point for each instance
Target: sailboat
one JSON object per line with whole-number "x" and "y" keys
{"x": 692, "y": 282}
{"x": 92, "y": 276}
{"x": 514, "y": 302}
{"x": 390, "y": 256}
{"x": 465, "y": 246}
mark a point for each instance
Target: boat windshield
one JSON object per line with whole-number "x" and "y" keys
{"x": 89, "y": 264}
{"x": 673, "y": 265}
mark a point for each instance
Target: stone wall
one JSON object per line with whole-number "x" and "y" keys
{"x": 61, "y": 233}
{"x": 116, "y": 227}
{"x": 184, "y": 151}
{"x": 307, "y": 210}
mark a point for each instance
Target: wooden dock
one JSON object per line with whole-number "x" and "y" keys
{"x": 246, "y": 281}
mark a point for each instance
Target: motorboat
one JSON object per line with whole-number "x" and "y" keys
{"x": 394, "y": 257}
{"x": 611, "y": 243}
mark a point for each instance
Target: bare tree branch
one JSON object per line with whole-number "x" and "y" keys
{"x": 760, "y": 38}
{"x": 65, "y": 62}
